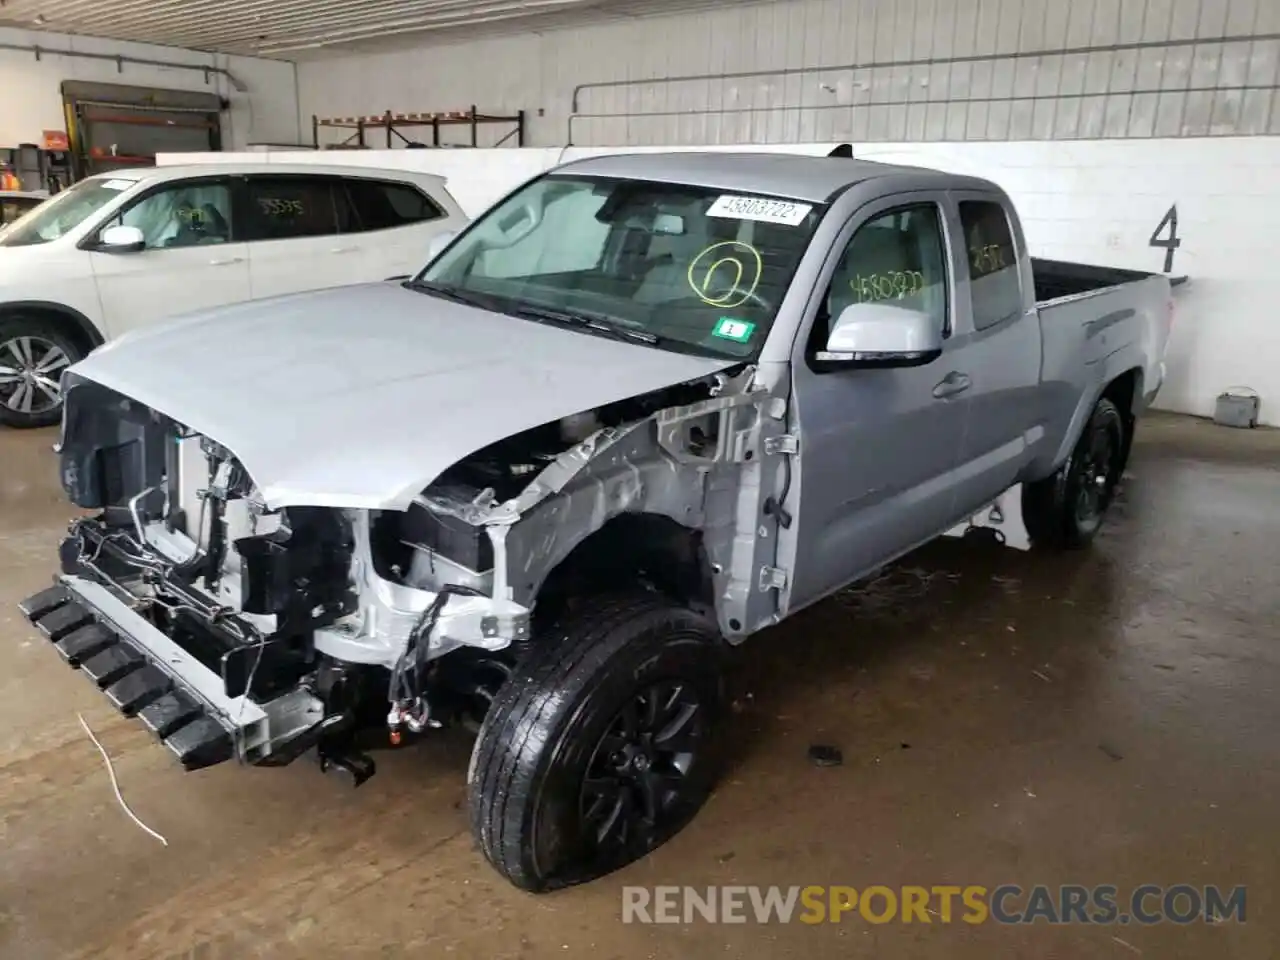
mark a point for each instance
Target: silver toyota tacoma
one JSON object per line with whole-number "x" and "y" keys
{"x": 642, "y": 409}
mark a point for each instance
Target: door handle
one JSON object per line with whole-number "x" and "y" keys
{"x": 225, "y": 261}
{"x": 952, "y": 384}
{"x": 343, "y": 249}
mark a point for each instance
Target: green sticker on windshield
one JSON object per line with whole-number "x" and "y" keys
{"x": 739, "y": 331}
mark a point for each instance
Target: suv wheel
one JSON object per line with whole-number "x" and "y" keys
{"x": 603, "y": 744}
{"x": 33, "y": 355}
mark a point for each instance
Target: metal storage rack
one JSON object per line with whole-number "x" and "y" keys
{"x": 392, "y": 123}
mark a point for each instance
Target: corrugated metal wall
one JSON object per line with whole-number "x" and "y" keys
{"x": 917, "y": 70}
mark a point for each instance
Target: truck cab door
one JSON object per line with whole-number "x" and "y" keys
{"x": 878, "y": 448}
{"x": 1001, "y": 346}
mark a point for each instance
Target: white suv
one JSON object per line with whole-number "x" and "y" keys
{"x": 119, "y": 251}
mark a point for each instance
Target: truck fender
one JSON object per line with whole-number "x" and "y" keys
{"x": 630, "y": 480}
{"x": 678, "y": 502}
{"x": 1117, "y": 387}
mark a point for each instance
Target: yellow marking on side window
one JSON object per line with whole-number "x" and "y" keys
{"x": 893, "y": 285}
{"x": 280, "y": 208}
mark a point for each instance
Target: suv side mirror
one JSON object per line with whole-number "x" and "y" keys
{"x": 882, "y": 335}
{"x": 438, "y": 243}
{"x": 120, "y": 239}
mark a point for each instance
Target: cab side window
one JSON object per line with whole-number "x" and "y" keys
{"x": 898, "y": 258}
{"x": 183, "y": 215}
{"x": 995, "y": 283}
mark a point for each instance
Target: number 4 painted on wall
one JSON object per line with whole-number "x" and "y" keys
{"x": 1172, "y": 241}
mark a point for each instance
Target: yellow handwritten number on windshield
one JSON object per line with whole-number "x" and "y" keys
{"x": 739, "y": 263}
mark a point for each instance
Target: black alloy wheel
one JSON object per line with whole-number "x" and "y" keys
{"x": 637, "y": 776}
{"x": 604, "y": 743}
{"x": 1066, "y": 510}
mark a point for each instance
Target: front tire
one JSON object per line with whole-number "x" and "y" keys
{"x": 1066, "y": 510}
{"x": 602, "y": 746}
{"x": 33, "y": 354}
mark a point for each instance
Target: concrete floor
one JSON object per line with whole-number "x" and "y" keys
{"x": 1108, "y": 717}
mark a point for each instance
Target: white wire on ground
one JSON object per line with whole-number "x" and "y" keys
{"x": 111, "y": 771}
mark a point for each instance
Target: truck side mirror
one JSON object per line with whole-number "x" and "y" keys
{"x": 882, "y": 335}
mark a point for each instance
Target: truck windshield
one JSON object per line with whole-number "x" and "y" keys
{"x": 56, "y": 217}
{"x": 685, "y": 268}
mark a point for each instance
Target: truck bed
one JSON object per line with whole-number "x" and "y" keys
{"x": 1097, "y": 323}
{"x": 1056, "y": 279}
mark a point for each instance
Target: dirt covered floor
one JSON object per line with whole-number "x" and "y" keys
{"x": 1005, "y": 718}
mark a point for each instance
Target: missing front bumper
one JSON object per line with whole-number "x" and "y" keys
{"x": 145, "y": 674}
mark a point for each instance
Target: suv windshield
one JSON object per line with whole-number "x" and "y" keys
{"x": 685, "y": 268}
{"x": 64, "y": 212}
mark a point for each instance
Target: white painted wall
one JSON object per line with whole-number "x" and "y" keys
{"x": 31, "y": 98}
{"x": 1207, "y": 89}
{"x": 1088, "y": 201}
{"x": 1100, "y": 202}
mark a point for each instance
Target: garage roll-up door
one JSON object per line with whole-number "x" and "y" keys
{"x": 112, "y": 126}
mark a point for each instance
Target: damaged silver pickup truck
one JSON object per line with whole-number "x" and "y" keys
{"x": 643, "y": 408}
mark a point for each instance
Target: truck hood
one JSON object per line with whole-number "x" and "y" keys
{"x": 360, "y": 396}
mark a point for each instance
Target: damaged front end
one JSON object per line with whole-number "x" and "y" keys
{"x": 237, "y": 631}
{"x": 232, "y": 630}
{"x": 186, "y": 601}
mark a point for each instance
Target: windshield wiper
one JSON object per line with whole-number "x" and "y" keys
{"x": 590, "y": 321}
{"x": 574, "y": 318}
{"x": 450, "y": 293}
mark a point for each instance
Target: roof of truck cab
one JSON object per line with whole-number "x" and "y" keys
{"x": 214, "y": 168}
{"x": 815, "y": 179}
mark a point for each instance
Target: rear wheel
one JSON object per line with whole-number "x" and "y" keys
{"x": 33, "y": 355}
{"x": 1067, "y": 509}
{"x": 602, "y": 746}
